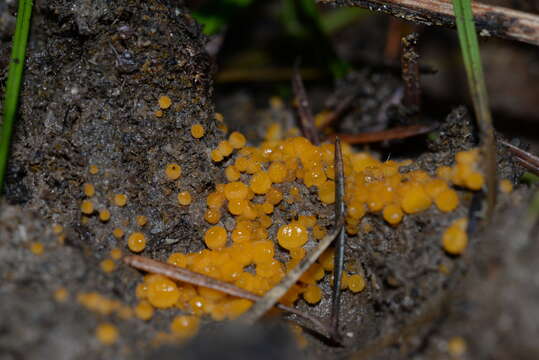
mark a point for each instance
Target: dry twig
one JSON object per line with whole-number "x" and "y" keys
{"x": 340, "y": 243}
{"x": 190, "y": 277}
{"x": 304, "y": 110}
{"x": 490, "y": 20}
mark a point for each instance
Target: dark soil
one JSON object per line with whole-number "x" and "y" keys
{"x": 95, "y": 71}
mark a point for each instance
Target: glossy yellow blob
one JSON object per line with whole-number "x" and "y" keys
{"x": 107, "y": 265}
{"x": 326, "y": 192}
{"x": 414, "y": 199}
{"x": 164, "y": 102}
{"x": 356, "y": 283}
{"x": 136, "y": 242}
{"x": 120, "y": 200}
{"x": 215, "y": 237}
{"x": 292, "y": 236}
{"x": 225, "y": 148}
{"x": 185, "y": 326}
{"x": 144, "y": 310}
{"x": 116, "y": 253}
{"x": 173, "y": 171}
{"x": 184, "y": 198}
{"x": 87, "y": 207}
{"x": 237, "y": 140}
{"x": 447, "y": 200}
{"x": 312, "y": 294}
{"x": 93, "y": 169}
{"x": 274, "y": 196}
{"x": 236, "y": 191}
{"x": 118, "y": 233}
{"x": 37, "y": 248}
{"x": 88, "y": 189}
{"x": 107, "y": 333}
{"x": 197, "y": 131}
{"x": 162, "y": 292}
{"x": 212, "y": 216}
{"x": 260, "y": 183}
{"x": 455, "y": 239}
{"x": 277, "y": 172}
{"x": 215, "y": 200}
{"x": 216, "y": 156}
{"x": 393, "y": 214}
{"x": 104, "y": 215}
{"x": 242, "y": 232}
{"x": 506, "y": 186}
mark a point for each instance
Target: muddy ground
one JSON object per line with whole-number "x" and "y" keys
{"x": 95, "y": 71}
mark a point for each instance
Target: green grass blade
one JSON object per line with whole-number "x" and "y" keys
{"x": 476, "y": 81}
{"x": 16, "y": 67}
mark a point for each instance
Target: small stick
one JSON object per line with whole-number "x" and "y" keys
{"x": 522, "y": 154}
{"x": 410, "y": 72}
{"x": 272, "y": 296}
{"x": 400, "y": 132}
{"x": 304, "y": 110}
{"x": 490, "y": 20}
{"x": 190, "y": 277}
{"x": 528, "y": 165}
{"x": 340, "y": 243}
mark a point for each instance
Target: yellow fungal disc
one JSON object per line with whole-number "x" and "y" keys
{"x": 236, "y": 191}
{"x": 216, "y": 155}
{"x": 215, "y": 237}
{"x": 225, "y": 148}
{"x": 164, "y": 102}
{"x": 141, "y": 220}
{"x": 260, "y": 183}
{"x": 88, "y": 189}
{"x": 393, "y": 214}
{"x": 185, "y": 326}
{"x": 356, "y": 283}
{"x": 104, "y": 215}
{"x": 197, "y": 131}
{"x": 506, "y": 186}
{"x": 231, "y": 173}
{"x": 312, "y": 294}
{"x": 93, "y": 169}
{"x": 212, "y": 216}
{"x": 120, "y": 200}
{"x": 116, "y": 253}
{"x": 57, "y": 229}
{"x": 144, "y": 310}
{"x": 184, "y": 198}
{"x": 107, "y": 265}
{"x": 118, "y": 233}
{"x": 173, "y": 171}
{"x": 447, "y": 200}
{"x": 455, "y": 239}
{"x": 87, "y": 207}
{"x": 237, "y": 140}
{"x": 136, "y": 242}
{"x": 37, "y": 248}
{"x": 292, "y": 236}
{"x": 162, "y": 292}
{"x": 107, "y": 333}
{"x": 158, "y": 113}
